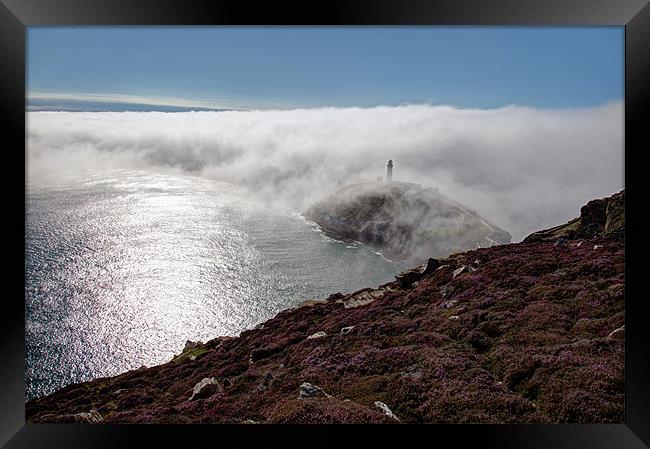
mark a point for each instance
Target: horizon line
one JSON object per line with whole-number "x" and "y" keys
{"x": 38, "y": 101}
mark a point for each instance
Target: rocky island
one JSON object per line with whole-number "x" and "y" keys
{"x": 404, "y": 221}
{"x": 531, "y": 332}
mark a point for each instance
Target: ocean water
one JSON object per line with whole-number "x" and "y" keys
{"x": 122, "y": 267}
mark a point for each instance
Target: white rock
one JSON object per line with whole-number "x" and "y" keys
{"x": 317, "y": 335}
{"x": 458, "y": 271}
{"x": 308, "y": 390}
{"x": 384, "y": 408}
{"x": 202, "y": 384}
{"x": 453, "y": 317}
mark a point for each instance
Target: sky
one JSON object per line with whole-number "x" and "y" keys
{"x": 180, "y": 68}
{"x": 523, "y": 125}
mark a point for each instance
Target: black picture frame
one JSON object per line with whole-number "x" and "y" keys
{"x": 16, "y": 15}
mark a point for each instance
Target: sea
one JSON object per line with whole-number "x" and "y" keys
{"x": 123, "y": 267}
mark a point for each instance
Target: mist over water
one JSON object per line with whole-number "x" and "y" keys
{"x": 523, "y": 168}
{"x": 146, "y": 229}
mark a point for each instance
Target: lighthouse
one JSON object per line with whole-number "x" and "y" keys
{"x": 389, "y": 171}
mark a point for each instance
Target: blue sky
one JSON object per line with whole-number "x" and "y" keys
{"x": 284, "y": 67}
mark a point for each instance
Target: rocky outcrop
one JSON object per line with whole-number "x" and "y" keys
{"x": 407, "y": 278}
{"x": 531, "y": 332}
{"x": 205, "y": 388}
{"x": 308, "y": 390}
{"x": 386, "y": 411}
{"x": 598, "y": 218}
{"x": 403, "y": 221}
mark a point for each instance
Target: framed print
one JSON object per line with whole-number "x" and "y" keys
{"x": 386, "y": 219}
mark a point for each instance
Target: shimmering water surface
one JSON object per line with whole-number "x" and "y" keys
{"x": 123, "y": 267}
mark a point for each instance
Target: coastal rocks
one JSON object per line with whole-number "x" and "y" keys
{"x": 193, "y": 349}
{"x": 308, "y": 390}
{"x": 407, "y": 278}
{"x": 190, "y": 345}
{"x": 205, "y": 388}
{"x": 363, "y": 296}
{"x": 385, "y": 410}
{"x": 311, "y": 302}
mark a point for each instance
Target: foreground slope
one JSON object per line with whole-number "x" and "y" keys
{"x": 527, "y": 332}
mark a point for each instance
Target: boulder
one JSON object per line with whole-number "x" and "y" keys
{"x": 406, "y": 279}
{"x": 205, "y": 388}
{"x": 308, "y": 390}
{"x": 386, "y": 411}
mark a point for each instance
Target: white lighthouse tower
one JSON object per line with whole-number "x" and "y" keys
{"x": 389, "y": 171}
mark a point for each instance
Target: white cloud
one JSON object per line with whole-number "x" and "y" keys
{"x": 523, "y": 168}
{"x": 212, "y": 103}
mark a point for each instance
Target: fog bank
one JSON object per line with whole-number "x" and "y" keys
{"x": 523, "y": 168}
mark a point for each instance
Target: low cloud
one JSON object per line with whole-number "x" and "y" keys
{"x": 523, "y": 168}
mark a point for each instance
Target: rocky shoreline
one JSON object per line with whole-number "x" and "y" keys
{"x": 531, "y": 332}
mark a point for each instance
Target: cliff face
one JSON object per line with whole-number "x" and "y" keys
{"x": 527, "y": 332}
{"x": 603, "y": 217}
{"x": 403, "y": 220}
